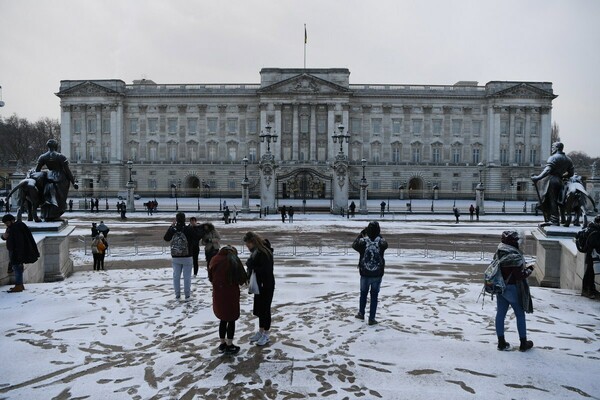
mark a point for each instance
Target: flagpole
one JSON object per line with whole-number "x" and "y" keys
{"x": 304, "y": 46}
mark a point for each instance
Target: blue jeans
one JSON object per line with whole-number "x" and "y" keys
{"x": 510, "y": 297}
{"x": 374, "y": 284}
{"x": 18, "y": 269}
{"x": 182, "y": 264}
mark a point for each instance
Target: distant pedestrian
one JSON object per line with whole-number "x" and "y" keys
{"x": 456, "y": 213}
{"x": 382, "y": 210}
{"x": 471, "y": 212}
{"x": 181, "y": 238}
{"x": 21, "y": 247}
{"x": 290, "y": 213}
{"x": 477, "y": 212}
{"x": 97, "y": 204}
{"x": 123, "y": 210}
{"x": 234, "y": 213}
{"x": 352, "y": 209}
{"x": 70, "y": 205}
{"x": 196, "y": 244}
{"x": 226, "y": 273}
{"x": 371, "y": 264}
{"x": 592, "y": 256}
{"x": 227, "y": 215}
{"x": 94, "y": 229}
{"x": 516, "y": 294}
{"x": 103, "y": 229}
{"x": 261, "y": 264}
{"x": 283, "y": 213}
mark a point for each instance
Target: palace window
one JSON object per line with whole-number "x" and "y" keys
{"x": 457, "y": 127}
{"x": 76, "y": 126}
{"x": 252, "y": 126}
{"x": 133, "y": 125}
{"x": 436, "y": 155}
{"x": 153, "y": 153}
{"x": 533, "y": 128}
{"x": 456, "y": 155}
{"x": 105, "y": 125}
{"x": 503, "y": 156}
{"x": 396, "y": 151}
{"x": 397, "y": 126}
{"x": 504, "y": 127}
{"x": 355, "y": 125}
{"x": 304, "y": 122}
{"x": 533, "y": 156}
{"x": 173, "y": 152}
{"x": 91, "y": 125}
{"x": 106, "y": 152}
{"x": 476, "y": 128}
{"x": 212, "y": 125}
{"x": 192, "y": 126}
{"x": 287, "y": 124}
{"x": 519, "y": 155}
{"x": 519, "y": 127}
{"x": 476, "y": 155}
{"x": 153, "y": 126}
{"x": 75, "y": 152}
{"x": 172, "y": 125}
{"x": 416, "y": 154}
{"x": 376, "y": 126}
{"x": 417, "y": 126}
{"x": 437, "y": 127}
{"x": 232, "y": 152}
{"x": 252, "y": 153}
{"x": 232, "y": 125}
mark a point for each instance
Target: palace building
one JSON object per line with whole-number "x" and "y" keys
{"x": 403, "y": 139}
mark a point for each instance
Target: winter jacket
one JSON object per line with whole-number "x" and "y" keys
{"x": 262, "y": 265}
{"x": 190, "y": 233}
{"x": 226, "y": 291}
{"x": 512, "y": 264}
{"x": 360, "y": 244}
{"x": 20, "y": 244}
{"x": 95, "y": 243}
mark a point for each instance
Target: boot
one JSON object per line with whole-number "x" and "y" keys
{"x": 16, "y": 289}
{"x": 502, "y": 344}
{"x": 525, "y": 344}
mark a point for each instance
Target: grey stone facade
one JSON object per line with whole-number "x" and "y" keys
{"x": 415, "y": 136}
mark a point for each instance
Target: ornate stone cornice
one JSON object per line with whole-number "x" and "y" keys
{"x": 162, "y": 108}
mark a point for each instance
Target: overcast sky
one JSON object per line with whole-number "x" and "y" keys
{"x": 392, "y": 41}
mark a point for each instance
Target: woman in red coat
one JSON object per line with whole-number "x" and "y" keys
{"x": 226, "y": 273}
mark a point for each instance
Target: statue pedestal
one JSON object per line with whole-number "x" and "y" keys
{"x": 54, "y": 264}
{"x": 558, "y": 263}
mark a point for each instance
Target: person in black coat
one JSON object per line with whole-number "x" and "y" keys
{"x": 21, "y": 247}
{"x": 588, "y": 284}
{"x": 261, "y": 264}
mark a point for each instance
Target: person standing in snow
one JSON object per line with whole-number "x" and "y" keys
{"x": 261, "y": 263}
{"x": 22, "y": 248}
{"x": 226, "y": 273}
{"x": 516, "y": 294}
{"x": 182, "y": 237}
{"x": 371, "y": 264}
{"x": 210, "y": 240}
{"x": 99, "y": 246}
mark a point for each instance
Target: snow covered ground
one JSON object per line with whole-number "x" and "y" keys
{"x": 120, "y": 334}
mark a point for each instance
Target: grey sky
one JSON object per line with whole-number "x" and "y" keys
{"x": 392, "y": 41}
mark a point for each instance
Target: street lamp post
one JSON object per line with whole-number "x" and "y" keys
{"x": 504, "y": 200}
{"x": 363, "y": 209}
{"x": 106, "y": 194}
{"x": 341, "y": 137}
{"x": 268, "y": 137}
{"x": 245, "y": 184}
{"x": 130, "y": 186}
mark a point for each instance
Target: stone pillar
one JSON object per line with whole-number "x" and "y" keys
{"x": 331, "y": 149}
{"x": 545, "y": 133}
{"x": 130, "y": 193}
{"x": 245, "y": 196}
{"x": 268, "y": 184}
{"x": 295, "y": 132}
{"x": 363, "y": 209}
{"x": 278, "y": 130}
{"x": 313, "y": 133}
{"x": 65, "y": 132}
{"x": 340, "y": 184}
{"x": 480, "y": 198}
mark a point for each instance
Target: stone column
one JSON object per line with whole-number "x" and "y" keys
{"x": 268, "y": 184}
{"x": 480, "y": 198}
{"x": 65, "y": 132}
{"x": 245, "y": 196}
{"x": 295, "y": 132}
{"x": 340, "y": 184}
{"x": 117, "y": 137}
{"x": 546, "y": 133}
{"x": 363, "y": 209}
{"x": 313, "y": 133}
{"x": 277, "y": 145}
{"x": 330, "y": 130}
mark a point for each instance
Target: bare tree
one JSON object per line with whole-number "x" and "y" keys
{"x": 554, "y": 133}
{"x": 23, "y": 141}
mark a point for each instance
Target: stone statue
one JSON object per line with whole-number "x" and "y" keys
{"x": 559, "y": 168}
{"x": 58, "y": 180}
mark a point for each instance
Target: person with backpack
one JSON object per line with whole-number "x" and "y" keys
{"x": 371, "y": 264}
{"x": 260, "y": 263}
{"x": 516, "y": 293}
{"x": 588, "y": 242}
{"x": 226, "y": 273}
{"x": 182, "y": 237}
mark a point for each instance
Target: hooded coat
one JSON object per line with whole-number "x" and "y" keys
{"x": 372, "y": 232}
{"x": 226, "y": 290}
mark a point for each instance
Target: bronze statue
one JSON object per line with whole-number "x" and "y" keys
{"x": 559, "y": 168}
{"x": 58, "y": 180}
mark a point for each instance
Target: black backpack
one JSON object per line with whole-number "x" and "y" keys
{"x": 581, "y": 238}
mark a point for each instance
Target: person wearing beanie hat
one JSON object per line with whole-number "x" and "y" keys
{"x": 21, "y": 247}
{"x": 516, "y": 295}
